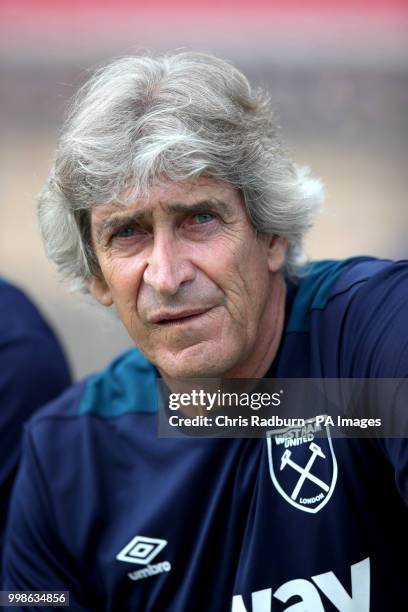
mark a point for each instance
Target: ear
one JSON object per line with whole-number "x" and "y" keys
{"x": 277, "y": 249}
{"x": 99, "y": 289}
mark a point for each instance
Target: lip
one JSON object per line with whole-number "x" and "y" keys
{"x": 168, "y": 318}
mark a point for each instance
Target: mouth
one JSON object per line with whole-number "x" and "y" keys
{"x": 178, "y": 319}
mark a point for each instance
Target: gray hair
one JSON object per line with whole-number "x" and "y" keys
{"x": 175, "y": 117}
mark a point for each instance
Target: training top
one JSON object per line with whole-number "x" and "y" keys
{"x": 33, "y": 371}
{"x": 126, "y": 520}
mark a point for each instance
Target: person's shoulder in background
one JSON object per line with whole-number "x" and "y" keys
{"x": 33, "y": 370}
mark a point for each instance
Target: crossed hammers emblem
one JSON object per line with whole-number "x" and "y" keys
{"x": 305, "y": 472}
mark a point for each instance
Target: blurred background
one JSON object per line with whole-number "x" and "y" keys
{"x": 337, "y": 73}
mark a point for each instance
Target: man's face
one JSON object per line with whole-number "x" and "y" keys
{"x": 197, "y": 289}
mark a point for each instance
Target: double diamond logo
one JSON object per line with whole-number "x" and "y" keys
{"x": 141, "y": 550}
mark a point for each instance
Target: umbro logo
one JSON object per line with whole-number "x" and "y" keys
{"x": 142, "y": 550}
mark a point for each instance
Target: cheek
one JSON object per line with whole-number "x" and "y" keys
{"x": 124, "y": 277}
{"x": 254, "y": 263}
{"x": 249, "y": 274}
{"x": 124, "y": 281}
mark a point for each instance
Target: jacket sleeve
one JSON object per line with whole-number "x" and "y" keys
{"x": 375, "y": 347}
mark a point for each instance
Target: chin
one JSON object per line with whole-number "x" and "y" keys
{"x": 198, "y": 363}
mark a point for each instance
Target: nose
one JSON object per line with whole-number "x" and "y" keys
{"x": 167, "y": 267}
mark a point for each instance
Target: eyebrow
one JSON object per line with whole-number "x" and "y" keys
{"x": 117, "y": 220}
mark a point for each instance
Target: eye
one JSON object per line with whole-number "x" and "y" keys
{"x": 126, "y": 232}
{"x": 204, "y": 217}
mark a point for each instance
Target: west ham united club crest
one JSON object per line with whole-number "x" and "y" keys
{"x": 303, "y": 465}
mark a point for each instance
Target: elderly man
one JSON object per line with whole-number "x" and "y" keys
{"x": 172, "y": 200}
